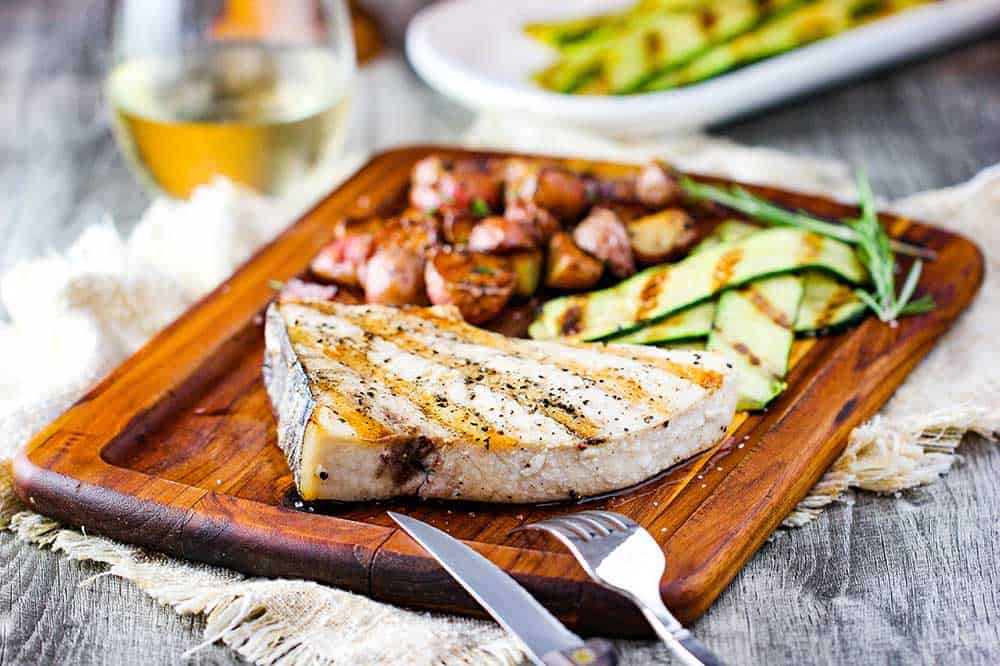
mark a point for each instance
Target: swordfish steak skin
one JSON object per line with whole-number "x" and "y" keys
{"x": 376, "y": 402}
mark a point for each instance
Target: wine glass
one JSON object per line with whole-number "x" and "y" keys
{"x": 256, "y": 91}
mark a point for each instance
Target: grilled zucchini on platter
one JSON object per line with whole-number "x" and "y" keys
{"x": 647, "y": 260}
{"x": 663, "y": 44}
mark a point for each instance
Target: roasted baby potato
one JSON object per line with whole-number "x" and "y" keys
{"x": 657, "y": 237}
{"x": 569, "y": 267}
{"x": 527, "y": 265}
{"x": 500, "y": 234}
{"x": 539, "y": 219}
{"x": 479, "y": 285}
{"x": 603, "y": 235}
{"x": 562, "y": 193}
{"x": 341, "y": 261}
{"x": 394, "y": 276}
{"x": 428, "y": 171}
{"x": 457, "y": 227}
{"x": 418, "y": 234}
{"x": 468, "y": 186}
{"x": 656, "y": 186}
{"x": 298, "y": 290}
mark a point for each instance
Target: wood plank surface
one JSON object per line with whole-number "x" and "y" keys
{"x": 881, "y": 580}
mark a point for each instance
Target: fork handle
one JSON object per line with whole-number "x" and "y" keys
{"x": 682, "y": 643}
{"x": 595, "y": 652}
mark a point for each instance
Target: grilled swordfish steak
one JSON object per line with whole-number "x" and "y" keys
{"x": 375, "y": 402}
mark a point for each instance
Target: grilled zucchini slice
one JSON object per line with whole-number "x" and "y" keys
{"x": 794, "y": 25}
{"x": 753, "y": 327}
{"x": 827, "y": 305}
{"x": 660, "y": 291}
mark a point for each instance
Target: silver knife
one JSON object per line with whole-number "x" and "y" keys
{"x": 548, "y": 642}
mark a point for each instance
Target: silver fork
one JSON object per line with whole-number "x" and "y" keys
{"x": 622, "y": 556}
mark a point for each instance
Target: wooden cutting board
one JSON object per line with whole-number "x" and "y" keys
{"x": 175, "y": 450}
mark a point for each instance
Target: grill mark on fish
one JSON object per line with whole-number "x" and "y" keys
{"x": 527, "y": 393}
{"x": 353, "y": 414}
{"x": 766, "y": 307}
{"x": 608, "y": 380}
{"x": 724, "y": 268}
{"x": 650, "y": 294}
{"x": 706, "y": 379}
{"x": 465, "y": 421}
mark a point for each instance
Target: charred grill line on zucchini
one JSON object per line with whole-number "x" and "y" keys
{"x": 624, "y": 51}
{"x": 753, "y": 328}
{"x": 827, "y": 304}
{"x": 660, "y": 291}
{"x": 794, "y": 26}
{"x": 691, "y": 324}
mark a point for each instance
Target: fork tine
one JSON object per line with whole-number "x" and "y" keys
{"x": 565, "y": 527}
{"x": 572, "y": 528}
{"x": 607, "y": 520}
{"x": 617, "y": 519}
{"x": 563, "y": 536}
{"x": 555, "y": 528}
{"x": 593, "y": 528}
{"x": 598, "y": 526}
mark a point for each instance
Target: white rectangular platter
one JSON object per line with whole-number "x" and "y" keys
{"x": 475, "y": 52}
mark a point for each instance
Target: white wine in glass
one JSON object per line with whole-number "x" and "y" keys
{"x": 256, "y": 91}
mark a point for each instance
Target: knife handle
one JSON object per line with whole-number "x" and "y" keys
{"x": 595, "y": 652}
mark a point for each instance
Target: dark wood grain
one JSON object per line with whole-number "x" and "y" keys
{"x": 175, "y": 450}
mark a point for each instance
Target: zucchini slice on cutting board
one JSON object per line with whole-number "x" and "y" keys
{"x": 754, "y": 329}
{"x": 687, "y": 325}
{"x": 827, "y": 305}
{"x": 660, "y": 291}
{"x": 726, "y": 232}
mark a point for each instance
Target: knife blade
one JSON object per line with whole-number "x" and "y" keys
{"x": 548, "y": 642}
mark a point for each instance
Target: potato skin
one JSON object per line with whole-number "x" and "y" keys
{"x": 562, "y": 193}
{"x": 656, "y": 238}
{"x": 394, "y": 276}
{"x": 569, "y": 267}
{"x": 604, "y": 236}
{"x": 656, "y": 186}
{"x": 500, "y": 234}
{"x": 462, "y": 186}
{"x": 478, "y": 284}
{"x": 299, "y": 290}
{"x": 342, "y": 260}
{"x": 457, "y": 227}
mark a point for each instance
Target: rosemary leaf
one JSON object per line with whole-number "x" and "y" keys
{"x": 872, "y": 243}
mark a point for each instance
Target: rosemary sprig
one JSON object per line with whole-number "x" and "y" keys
{"x": 874, "y": 251}
{"x": 763, "y": 210}
{"x": 873, "y": 245}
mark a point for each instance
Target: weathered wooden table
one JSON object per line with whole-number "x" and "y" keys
{"x": 877, "y": 580}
